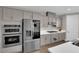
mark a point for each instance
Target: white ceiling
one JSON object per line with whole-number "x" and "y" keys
{"x": 57, "y": 9}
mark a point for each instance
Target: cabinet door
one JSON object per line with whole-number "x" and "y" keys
{"x": 45, "y": 21}
{"x": 27, "y": 15}
{"x": 0, "y": 13}
{"x": 59, "y": 22}
{"x": 36, "y": 16}
{"x": 63, "y": 36}
{"x": 54, "y": 38}
{"x": 52, "y": 20}
{"x": 17, "y": 15}
{"x": 42, "y": 40}
{"x": 47, "y": 37}
{"x": 59, "y": 36}
{"x": 7, "y": 14}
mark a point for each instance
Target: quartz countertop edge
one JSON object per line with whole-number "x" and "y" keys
{"x": 44, "y": 32}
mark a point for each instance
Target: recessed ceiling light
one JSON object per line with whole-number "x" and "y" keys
{"x": 68, "y": 9}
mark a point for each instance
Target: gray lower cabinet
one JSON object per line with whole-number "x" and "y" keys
{"x": 48, "y": 41}
{"x": 43, "y": 40}
{"x": 58, "y": 37}
{"x": 61, "y": 36}
{"x": 52, "y": 38}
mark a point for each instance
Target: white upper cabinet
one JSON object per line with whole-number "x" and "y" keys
{"x": 17, "y": 14}
{"x": 59, "y": 20}
{"x": 52, "y": 19}
{"x": 12, "y": 14}
{"x": 27, "y": 15}
{"x": 37, "y": 16}
{"x": 0, "y": 13}
{"x": 7, "y": 14}
{"x": 45, "y": 21}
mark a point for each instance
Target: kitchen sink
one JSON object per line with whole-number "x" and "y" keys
{"x": 51, "y": 31}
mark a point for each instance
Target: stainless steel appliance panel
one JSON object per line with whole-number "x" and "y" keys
{"x": 31, "y": 31}
{"x": 27, "y": 29}
{"x": 11, "y": 40}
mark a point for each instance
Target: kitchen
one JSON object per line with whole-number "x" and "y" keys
{"x": 33, "y": 32}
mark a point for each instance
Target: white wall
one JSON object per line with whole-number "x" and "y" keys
{"x": 72, "y": 27}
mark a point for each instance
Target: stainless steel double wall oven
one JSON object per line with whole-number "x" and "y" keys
{"x": 11, "y": 34}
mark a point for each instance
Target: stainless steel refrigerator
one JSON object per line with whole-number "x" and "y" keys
{"x": 31, "y": 35}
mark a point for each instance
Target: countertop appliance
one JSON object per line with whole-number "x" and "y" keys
{"x": 11, "y": 33}
{"x": 31, "y": 35}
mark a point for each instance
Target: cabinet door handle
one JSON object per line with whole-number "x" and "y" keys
{"x": 55, "y": 39}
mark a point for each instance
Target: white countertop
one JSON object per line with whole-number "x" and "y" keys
{"x": 44, "y": 32}
{"x": 64, "y": 48}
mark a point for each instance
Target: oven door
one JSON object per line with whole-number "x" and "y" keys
{"x": 12, "y": 40}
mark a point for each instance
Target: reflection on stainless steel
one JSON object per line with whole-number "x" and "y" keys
{"x": 28, "y": 32}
